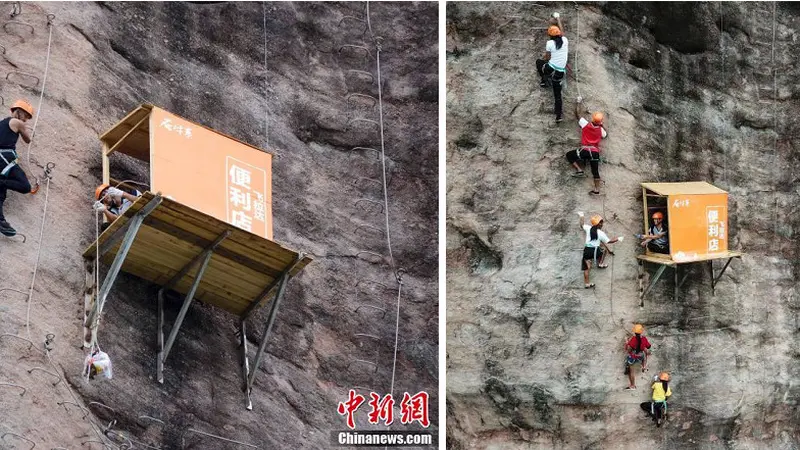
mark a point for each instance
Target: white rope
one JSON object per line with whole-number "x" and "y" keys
{"x": 377, "y": 42}
{"x": 41, "y": 95}
{"x": 266, "y": 84}
{"x": 383, "y": 146}
{"x": 774, "y": 120}
{"x": 396, "y": 336}
{"x": 577, "y": 40}
{"x": 36, "y": 266}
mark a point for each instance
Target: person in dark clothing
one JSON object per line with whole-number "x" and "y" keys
{"x": 657, "y": 240}
{"x": 11, "y": 175}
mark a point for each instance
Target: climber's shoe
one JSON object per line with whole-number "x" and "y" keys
{"x": 630, "y": 388}
{"x": 578, "y": 173}
{"x": 35, "y": 188}
{"x": 594, "y": 192}
{"x": 588, "y": 286}
{"x": 6, "y": 229}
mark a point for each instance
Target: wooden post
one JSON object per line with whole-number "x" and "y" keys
{"x": 106, "y": 165}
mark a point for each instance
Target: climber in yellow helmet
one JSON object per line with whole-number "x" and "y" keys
{"x": 595, "y": 246}
{"x": 637, "y": 347}
{"x": 11, "y": 175}
{"x": 657, "y": 407}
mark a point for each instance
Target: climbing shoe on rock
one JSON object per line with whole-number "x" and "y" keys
{"x": 35, "y": 188}
{"x": 6, "y": 229}
{"x": 578, "y": 173}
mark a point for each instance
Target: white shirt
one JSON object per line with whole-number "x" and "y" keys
{"x": 125, "y": 205}
{"x": 558, "y": 57}
{"x": 601, "y": 237}
{"x": 583, "y": 122}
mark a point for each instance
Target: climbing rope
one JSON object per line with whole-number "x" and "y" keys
{"x": 577, "y": 40}
{"x": 396, "y": 334}
{"x": 48, "y": 177}
{"x": 397, "y": 273}
{"x": 266, "y": 83}
{"x": 377, "y": 41}
{"x": 94, "y": 345}
{"x": 774, "y": 121}
{"x": 44, "y": 81}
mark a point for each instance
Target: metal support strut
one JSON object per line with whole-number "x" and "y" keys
{"x": 715, "y": 279}
{"x": 127, "y": 233}
{"x": 205, "y": 256}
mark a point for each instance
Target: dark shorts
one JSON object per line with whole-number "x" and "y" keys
{"x": 582, "y": 154}
{"x": 653, "y": 247}
{"x": 589, "y": 254}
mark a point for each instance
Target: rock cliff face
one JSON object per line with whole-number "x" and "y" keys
{"x": 205, "y": 61}
{"x": 691, "y": 92}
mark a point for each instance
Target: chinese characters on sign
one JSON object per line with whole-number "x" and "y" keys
{"x": 176, "y": 128}
{"x": 246, "y": 196}
{"x": 413, "y": 408}
{"x": 716, "y": 229}
{"x": 680, "y": 202}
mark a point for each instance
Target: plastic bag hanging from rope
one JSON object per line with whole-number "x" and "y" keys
{"x": 98, "y": 364}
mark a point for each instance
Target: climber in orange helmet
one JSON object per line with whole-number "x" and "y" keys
{"x": 552, "y": 67}
{"x": 595, "y": 246}
{"x": 638, "y": 347}
{"x": 657, "y": 240}
{"x": 113, "y": 202}
{"x": 11, "y": 175}
{"x": 591, "y": 135}
{"x": 657, "y": 407}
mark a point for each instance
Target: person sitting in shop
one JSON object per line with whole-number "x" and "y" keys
{"x": 656, "y": 240}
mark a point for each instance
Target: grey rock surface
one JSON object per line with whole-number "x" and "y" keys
{"x": 205, "y": 61}
{"x": 533, "y": 359}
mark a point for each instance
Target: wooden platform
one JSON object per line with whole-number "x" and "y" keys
{"x": 663, "y": 259}
{"x": 240, "y": 270}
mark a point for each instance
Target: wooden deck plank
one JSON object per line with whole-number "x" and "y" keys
{"x": 205, "y": 292}
{"x": 155, "y": 221}
{"x": 172, "y": 247}
{"x": 217, "y": 275}
{"x": 666, "y": 260}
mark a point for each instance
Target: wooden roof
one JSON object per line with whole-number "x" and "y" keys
{"x": 137, "y": 142}
{"x": 134, "y": 131}
{"x": 687, "y": 187}
{"x": 241, "y": 268}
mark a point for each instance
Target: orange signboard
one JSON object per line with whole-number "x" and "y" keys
{"x": 210, "y": 172}
{"x": 698, "y": 225}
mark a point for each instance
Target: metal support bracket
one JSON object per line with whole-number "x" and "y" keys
{"x": 362, "y": 74}
{"x": 715, "y": 279}
{"x": 653, "y": 280}
{"x": 24, "y": 74}
{"x": 130, "y": 228}
{"x": 356, "y": 47}
{"x": 205, "y": 257}
{"x": 377, "y": 153}
{"x": 263, "y": 295}
{"x": 265, "y": 337}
